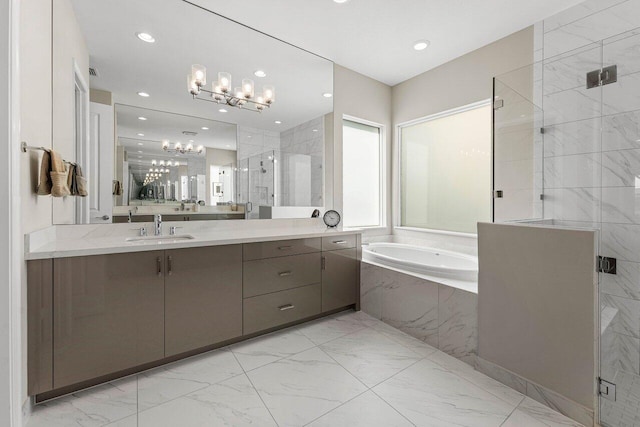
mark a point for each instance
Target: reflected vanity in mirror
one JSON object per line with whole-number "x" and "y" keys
{"x": 149, "y": 144}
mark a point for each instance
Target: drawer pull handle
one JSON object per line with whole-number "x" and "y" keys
{"x": 285, "y": 248}
{"x": 339, "y": 242}
{"x": 284, "y": 273}
{"x": 159, "y": 266}
{"x": 170, "y": 265}
{"x": 286, "y": 307}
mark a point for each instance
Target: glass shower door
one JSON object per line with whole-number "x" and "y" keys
{"x": 620, "y": 290}
{"x": 261, "y": 183}
{"x": 517, "y": 147}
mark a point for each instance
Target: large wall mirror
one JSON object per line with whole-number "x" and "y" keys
{"x": 170, "y": 108}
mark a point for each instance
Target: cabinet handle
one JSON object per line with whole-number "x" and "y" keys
{"x": 339, "y": 242}
{"x": 169, "y": 265}
{"x": 286, "y": 307}
{"x": 284, "y": 273}
{"x": 323, "y": 263}
{"x": 285, "y": 248}
{"x": 159, "y": 266}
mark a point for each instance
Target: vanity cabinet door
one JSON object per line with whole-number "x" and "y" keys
{"x": 108, "y": 314}
{"x": 203, "y": 297}
{"x": 339, "y": 278}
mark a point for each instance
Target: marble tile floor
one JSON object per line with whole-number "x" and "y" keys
{"x": 345, "y": 370}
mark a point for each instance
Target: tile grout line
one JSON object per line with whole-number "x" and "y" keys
{"x": 187, "y": 394}
{"x": 581, "y": 19}
{"x": 514, "y": 410}
{"x": 477, "y": 385}
{"x": 393, "y": 407}
{"x": 337, "y": 407}
{"x": 255, "y": 389}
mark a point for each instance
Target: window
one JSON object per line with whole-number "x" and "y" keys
{"x": 445, "y": 170}
{"x": 362, "y": 174}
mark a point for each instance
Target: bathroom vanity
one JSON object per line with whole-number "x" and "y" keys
{"x": 125, "y": 308}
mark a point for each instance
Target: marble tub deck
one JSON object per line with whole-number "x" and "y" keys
{"x": 345, "y": 370}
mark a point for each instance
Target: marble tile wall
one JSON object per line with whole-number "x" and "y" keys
{"x": 439, "y": 315}
{"x": 592, "y": 169}
{"x": 306, "y": 139}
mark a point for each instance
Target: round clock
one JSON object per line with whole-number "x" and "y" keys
{"x": 331, "y": 218}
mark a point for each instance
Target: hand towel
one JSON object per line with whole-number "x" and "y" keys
{"x": 117, "y": 188}
{"x": 44, "y": 184}
{"x": 59, "y": 176}
{"x": 81, "y": 182}
{"x": 71, "y": 180}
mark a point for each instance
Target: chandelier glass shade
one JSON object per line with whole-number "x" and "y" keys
{"x": 222, "y": 91}
{"x": 180, "y": 148}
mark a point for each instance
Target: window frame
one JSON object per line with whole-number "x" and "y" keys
{"x": 398, "y": 167}
{"x": 382, "y": 185}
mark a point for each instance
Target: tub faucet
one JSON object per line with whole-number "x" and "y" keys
{"x": 157, "y": 220}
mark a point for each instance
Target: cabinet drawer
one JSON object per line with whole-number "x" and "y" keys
{"x": 278, "y": 248}
{"x": 277, "y": 274}
{"x": 271, "y": 310}
{"x": 338, "y": 242}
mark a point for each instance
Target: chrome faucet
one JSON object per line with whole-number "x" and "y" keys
{"x": 157, "y": 220}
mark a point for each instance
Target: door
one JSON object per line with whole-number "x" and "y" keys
{"x": 100, "y": 177}
{"x": 339, "y": 278}
{"x": 108, "y": 314}
{"x": 203, "y": 297}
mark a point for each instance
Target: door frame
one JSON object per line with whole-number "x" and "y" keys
{"x": 11, "y": 258}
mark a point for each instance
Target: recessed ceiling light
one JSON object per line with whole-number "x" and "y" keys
{"x": 143, "y": 94}
{"x": 204, "y": 128}
{"x": 340, "y": 1}
{"x": 140, "y": 152}
{"x": 191, "y": 140}
{"x": 249, "y": 136}
{"x": 142, "y": 118}
{"x": 278, "y": 122}
{"x": 315, "y": 130}
{"x": 260, "y": 73}
{"x": 146, "y": 37}
{"x": 327, "y": 95}
{"x": 140, "y": 143}
{"x": 141, "y": 134}
{"x": 421, "y": 44}
{"x": 222, "y": 110}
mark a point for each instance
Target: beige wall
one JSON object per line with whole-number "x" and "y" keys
{"x": 101, "y": 96}
{"x": 68, "y": 48}
{"x": 361, "y": 97}
{"x": 35, "y": 129}
{"x": 544, "y": 281}
{"x": 462, "y": 81}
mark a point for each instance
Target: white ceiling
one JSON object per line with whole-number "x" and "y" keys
{"x": 376, "y": 37}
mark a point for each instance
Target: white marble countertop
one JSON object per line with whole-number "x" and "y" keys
{"x": 81, "y": 240}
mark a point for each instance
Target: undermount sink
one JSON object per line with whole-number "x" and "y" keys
{"x": 174, "y": 238}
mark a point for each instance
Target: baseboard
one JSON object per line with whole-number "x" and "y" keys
{"x": 541, "y": 394}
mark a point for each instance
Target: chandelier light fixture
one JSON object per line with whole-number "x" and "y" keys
{"x": 178, "y": 148}
{"x": 222, "y": 92}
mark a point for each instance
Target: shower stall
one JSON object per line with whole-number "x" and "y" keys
{"x": 257, "y": 182}
{"x": 567, "y": 154}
